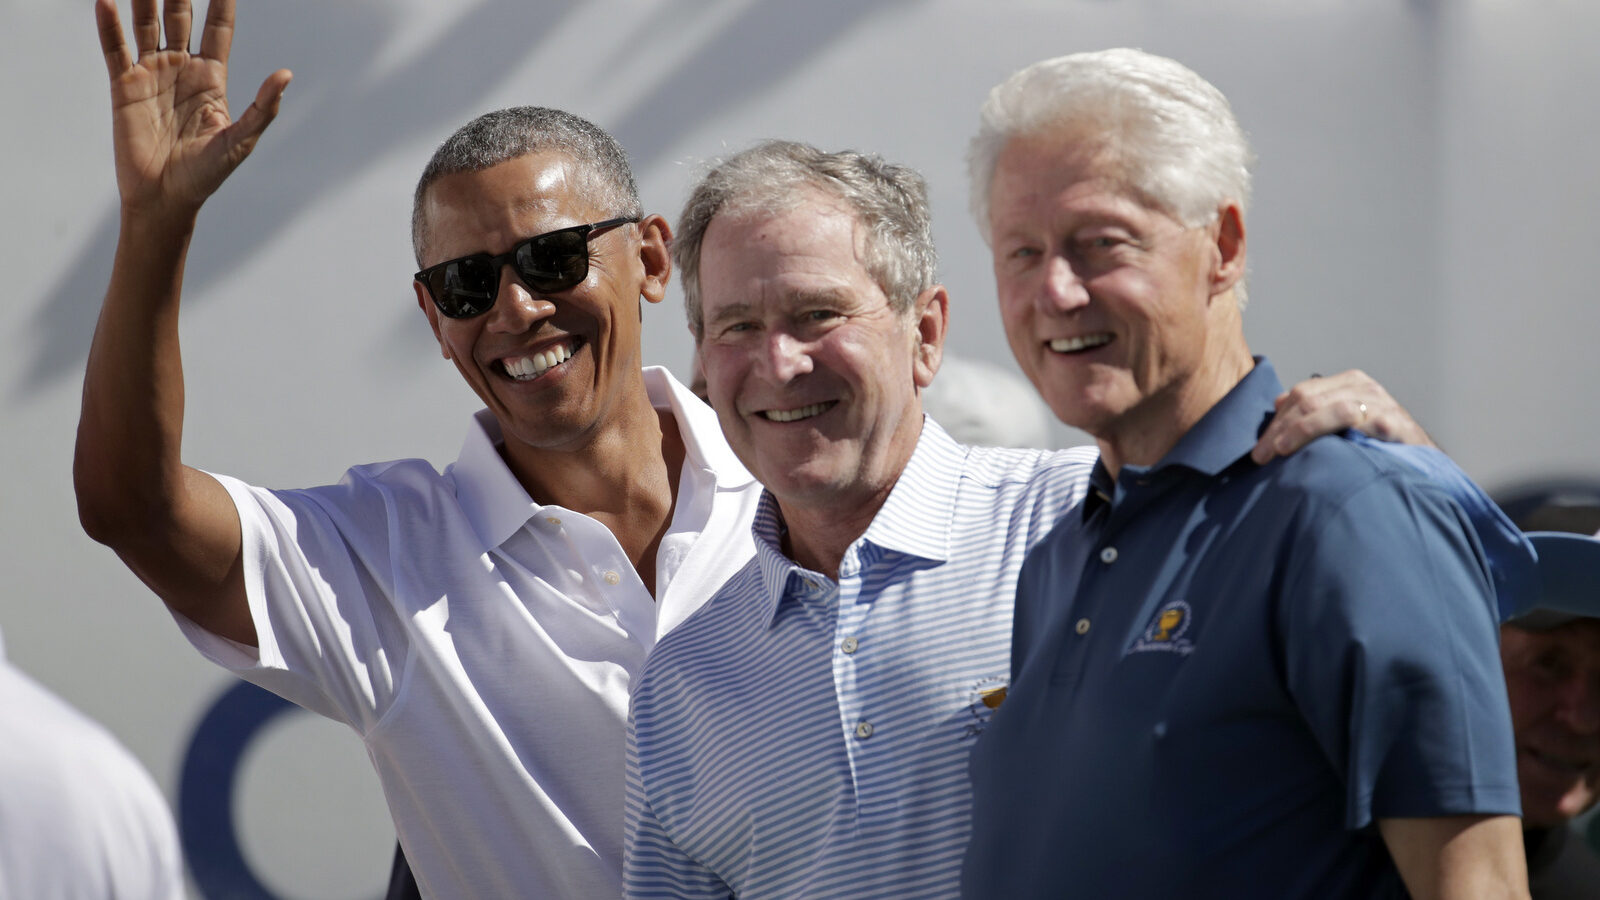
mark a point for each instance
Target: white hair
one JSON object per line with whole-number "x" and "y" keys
{"x": 1173, "y": 132}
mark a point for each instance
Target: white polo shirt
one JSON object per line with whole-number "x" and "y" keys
{"x": 80, "y": 818}
{"x": 482, "y": 645}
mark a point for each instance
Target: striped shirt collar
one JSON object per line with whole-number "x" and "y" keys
{"x": 914, "y": 520}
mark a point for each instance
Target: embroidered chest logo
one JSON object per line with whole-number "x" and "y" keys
{"x": 1167, "y": 629}
{"x": 984, "y": 698}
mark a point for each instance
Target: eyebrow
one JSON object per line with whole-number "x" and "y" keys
{"x": 801, "y": 298}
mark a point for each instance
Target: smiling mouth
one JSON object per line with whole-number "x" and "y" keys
{"x": 798, "y": 413}
{"x": 1081, "y": 343}
{"x": 1569, "y": 766}
{"x": 527, "y": 368}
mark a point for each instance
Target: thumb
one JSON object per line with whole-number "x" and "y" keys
{"x": 261, "y": 111}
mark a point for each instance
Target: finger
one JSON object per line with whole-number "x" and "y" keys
{"x": 112, "y": 43}
{"x": 261, "y": 111}
{"x": 216, "y": 39}
{"x": 146, "y": 27}
{"x": 177, "y": 16}
{"x": 1306, "y": 412}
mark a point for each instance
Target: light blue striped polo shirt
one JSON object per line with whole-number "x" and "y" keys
{"x": 801, "y": 737}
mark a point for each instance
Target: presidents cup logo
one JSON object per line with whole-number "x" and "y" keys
{"x": 1167, "y": 629}
{"x": 984, "y": 698}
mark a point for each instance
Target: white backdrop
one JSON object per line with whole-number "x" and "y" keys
{"x": 1424, "y": 210}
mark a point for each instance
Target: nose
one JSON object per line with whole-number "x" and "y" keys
{"x": 1580, "y": 705}
{"x": 1062, "y": 290}
{"x": 516, "y": 309}
{"x": 787, "y": 357}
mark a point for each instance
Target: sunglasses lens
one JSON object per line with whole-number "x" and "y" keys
{"x": 555, "y": 261}
{"x": 464, "y": 288}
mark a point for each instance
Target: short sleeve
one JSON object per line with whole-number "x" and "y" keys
{"x": 327, "y": 636}
{"x": 1389, "y": 627}
{"x": 1511, "y": 557}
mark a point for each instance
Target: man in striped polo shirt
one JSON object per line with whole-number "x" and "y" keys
{"x": 806, "y": 733}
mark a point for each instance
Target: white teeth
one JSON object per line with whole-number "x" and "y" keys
{"x": 528, "y": 367}
{"x": 795, "y": 415}
{"x": 1083, "y": 342}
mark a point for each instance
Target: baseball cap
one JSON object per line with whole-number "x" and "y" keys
{"x": 1569, "y": 581}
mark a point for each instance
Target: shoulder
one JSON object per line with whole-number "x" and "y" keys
{"x": 1000, "y": 467}
{"x": 360, "y": 507}
{"x": 45, "y": 733}
{"x": 714, "y": 631}
{"x": 1333, "y": 472}
{"x": 1339, "y": 501}
{"x": 407, "y": 482}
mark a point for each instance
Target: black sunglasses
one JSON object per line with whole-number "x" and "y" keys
{"x": 547, "y": 263}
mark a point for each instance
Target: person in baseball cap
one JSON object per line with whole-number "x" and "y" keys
{"x": 1551, "y": 653}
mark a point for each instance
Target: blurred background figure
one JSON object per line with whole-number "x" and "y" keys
{"x": 983, "y": 403}
{"x": 80, "y": 818}
{"x": 1552, "y": 663}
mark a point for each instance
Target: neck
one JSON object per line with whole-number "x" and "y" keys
{"x": 625, "y": 476}
{"x": 1149, "y": 432}
{"x": 818, "y": 537}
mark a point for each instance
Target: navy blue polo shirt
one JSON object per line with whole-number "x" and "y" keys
{"x": 1223, "y": 673}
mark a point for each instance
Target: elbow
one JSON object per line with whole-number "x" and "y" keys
{"x": 108, "y": 510}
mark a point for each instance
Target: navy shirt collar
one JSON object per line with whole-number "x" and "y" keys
{"x": 1225, "y": 434}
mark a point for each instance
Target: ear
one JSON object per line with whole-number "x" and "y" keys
{"x": 932, "y": 312}
{"x": 432, "y": 312}
{"x": 655, "y": 251}
{"x": 1230, "y": 246}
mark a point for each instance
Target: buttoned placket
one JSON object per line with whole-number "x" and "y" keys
{"x": 609, "y": 584}
{"x": 851, "y": 648}
{"x": 1106, "y": 528}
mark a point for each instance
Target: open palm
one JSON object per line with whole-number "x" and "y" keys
{"x": 175, "y": 142}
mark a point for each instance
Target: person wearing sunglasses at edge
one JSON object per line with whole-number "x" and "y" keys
{"x": 478, "y": 628}
{"x": 807, "y": 732}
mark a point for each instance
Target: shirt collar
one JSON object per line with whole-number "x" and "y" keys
{"x": 1225, "y": 434}
{"x": 914, "y": 520}
{"x": 703, "y": 441}
{"x": 497, "y": 505}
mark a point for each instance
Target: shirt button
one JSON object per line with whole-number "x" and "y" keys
{"x": 611, "y": 577}
{"x": 863, "y": 730}
{"x": 848, "y": 645}
{"x": 1108, "y": 555}
{"x": 1083, "y": 626}
{"x": 553, "y": 520}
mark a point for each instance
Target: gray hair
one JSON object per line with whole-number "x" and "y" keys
{"x": 889, "y": 200}
{"x": 1173, "y": 132}
{"x": 507, "y": 134}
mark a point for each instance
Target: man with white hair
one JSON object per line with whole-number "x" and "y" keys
{"x": 806, "y": 733}
{"x": 1229, "y": 679}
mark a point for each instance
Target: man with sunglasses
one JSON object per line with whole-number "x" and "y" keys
{"x": 478, "y": 628}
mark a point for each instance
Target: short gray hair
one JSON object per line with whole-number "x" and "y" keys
{"x": 507, "y": 134}
{"x": 889, "y": 200}
{"x": 1174, "y": 133}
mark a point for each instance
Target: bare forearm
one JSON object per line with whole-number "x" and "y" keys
{"x": 128, "y": 462}
{"x": 1459, "y": 857}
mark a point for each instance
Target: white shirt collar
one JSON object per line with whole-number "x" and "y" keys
{"x": 496, "y": 503}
